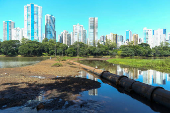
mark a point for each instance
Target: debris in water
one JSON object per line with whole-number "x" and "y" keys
{"x": 40, "y": 106}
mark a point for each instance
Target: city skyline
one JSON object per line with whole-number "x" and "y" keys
{"x": 153, "y": 19}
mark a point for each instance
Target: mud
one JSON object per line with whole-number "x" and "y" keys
{"x": 41, "y": 86}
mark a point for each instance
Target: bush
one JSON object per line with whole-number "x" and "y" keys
{"x": 45, "y": 54}
{"x": 57, "y": 65}
{"x": 63, "y": 59}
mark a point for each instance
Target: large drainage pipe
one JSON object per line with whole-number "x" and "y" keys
{"x": 155, "y": 94}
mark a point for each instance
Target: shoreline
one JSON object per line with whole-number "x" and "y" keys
{"x": 42, "y": 68}
{"x": 19, "y": 86}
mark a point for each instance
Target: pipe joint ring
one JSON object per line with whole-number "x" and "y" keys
{"x": 120, "y": 77}
{"x": 151, "y": 91}
{"x": 103, "y": 73}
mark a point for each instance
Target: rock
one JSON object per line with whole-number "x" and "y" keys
{"x": 40, "y": 106}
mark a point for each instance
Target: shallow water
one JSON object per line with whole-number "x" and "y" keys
{"x": 151, "y": 77}
{"x": 10, "y": 62}
{"x": 106, "y": 99}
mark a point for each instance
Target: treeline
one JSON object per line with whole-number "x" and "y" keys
{"x": 144, "y": 49}
{"x": 48, "y": 47}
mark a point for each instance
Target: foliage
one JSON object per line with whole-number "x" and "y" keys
{"x": 157, "y": 64}
{"x": 49, "y": 47}
{"x": 31, "y": 48}
{"x": 10, "y": 48}
{"x": 57, "y": 65}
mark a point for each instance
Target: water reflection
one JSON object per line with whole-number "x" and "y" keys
{"x": 10, "y": 62}
{"x": 151, "y": 77}
{"x": 112, "y": 95}
{"x": 83, "y": 74}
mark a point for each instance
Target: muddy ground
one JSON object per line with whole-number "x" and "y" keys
{"x": 57, "y": 85}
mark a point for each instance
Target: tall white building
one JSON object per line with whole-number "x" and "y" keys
{"x": 50, "y": 32}
{"x": 120, "y": 40}
{"x": 84, "y": 36}
{"x": 7, "y": 29}
{"x": 112, "y": 37}
{"x": 168, "y": 38}
{"x": 17, "y": 33}
{"x": 147, "y": 36}
{"x": 33, "y": 22}
{"x": 72, "y": 38}
{"x": 65, "y": 38}
{"x": 79, "y": 33}
{"x": 93, "y": 30}
{"x": 159, "y": 36}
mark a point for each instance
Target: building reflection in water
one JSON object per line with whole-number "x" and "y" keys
{"x": 159, "y": 78}
{"x": 93, "y": 92}
{"x": 84, "y": 74}
{"x": 149, "y": 76}
{"x": 168, "y": 77}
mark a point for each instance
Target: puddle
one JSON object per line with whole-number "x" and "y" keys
{"x": 38, "y": 77}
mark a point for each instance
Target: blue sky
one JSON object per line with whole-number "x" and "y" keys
{"x": 114, "y": 16}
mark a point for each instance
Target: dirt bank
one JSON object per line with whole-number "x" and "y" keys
{"x": 42, "y": 68}
{"x": 37, "y": 86}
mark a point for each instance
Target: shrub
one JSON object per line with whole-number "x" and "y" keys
{"x": 57, "y": 65}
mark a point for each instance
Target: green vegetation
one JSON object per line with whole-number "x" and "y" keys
{"x": 156, "y": 64}
{"x": 57, "y": 65}
{"x": 144, "y": 49}
{"x": 47, "y": 48}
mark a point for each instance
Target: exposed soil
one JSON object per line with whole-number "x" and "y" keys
{"x": 43, "y": 68}
{"x": 18, "y": 86}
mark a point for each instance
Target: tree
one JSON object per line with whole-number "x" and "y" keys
{"x": 10, "y": 48}
{"x": 31, "y": 48}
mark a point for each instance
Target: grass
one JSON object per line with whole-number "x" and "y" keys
{"x": 57, "y": 65}
{"x": 156, "y": 64}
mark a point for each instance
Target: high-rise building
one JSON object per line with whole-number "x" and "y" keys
{"x": 148, "y": 36}
{"x": 102, "y": 39}
{"x": 84, "y": 36}
{"x": 93, "y": 30}
{"x": 79, "y": 33}
{"x": 43, "y": 36}
{"x": 135, "y": 39}
{"x": 72, "y": 38}
{"x": 128, "y": 36}
{"x": 60, "y": 38}
{"x": 33, "y": 22}
{"x": 112, "y": 37}
{"x": 68, "y": 39}
{"x": 168, "y": 38}
{"x": 50, "y": 32}
{"x": 7, "y": 29}
{"x": 119, "y": 40}
{"x": 17, "y": 34}
{"x": 159, "y": 36}
{"x": 65, "y": 38}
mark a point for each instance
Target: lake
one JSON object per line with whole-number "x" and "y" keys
{"x": 10, "y": 62}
